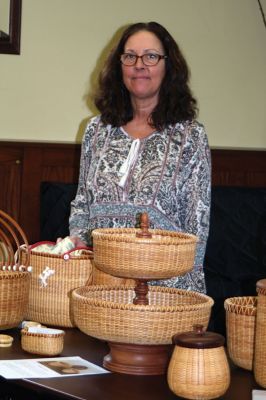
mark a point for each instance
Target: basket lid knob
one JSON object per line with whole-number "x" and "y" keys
{"x": 199, "y": 339}
{"x": 144, "y": 225}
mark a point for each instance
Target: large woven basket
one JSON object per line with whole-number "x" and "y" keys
{"x": 14, "y": 278}
{"x": 119, "y": 252}
{"x": 51, "y": 304}
{"x": 240, "y": 329}
{"x": 108, "y": 313}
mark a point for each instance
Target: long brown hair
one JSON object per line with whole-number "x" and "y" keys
{"x": 176, "y": 102}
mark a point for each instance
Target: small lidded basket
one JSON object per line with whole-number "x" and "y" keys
{"x": 42, "y": 341}
{"x": 198, "y": 368}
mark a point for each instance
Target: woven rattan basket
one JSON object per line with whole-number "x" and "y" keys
{"x": 108, "y": 313}
{"x": 101, "y": 278}
{"x": 240, "y": 329}
{"x": 14, "y": 297}
{"x": 119, "y": 252}
{"x": 42, "y": 343}
{"x": 50, "y": 304}
{"x": 14, "y": 278}
{"x": 260, "y": 335}
{"x": 198, "y": 368}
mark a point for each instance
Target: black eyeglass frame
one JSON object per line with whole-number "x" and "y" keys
{"x": 160, "y": 57}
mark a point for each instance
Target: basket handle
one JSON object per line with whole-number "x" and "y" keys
{"x": 144, "y": 225}
{"x": 11, "y": 235}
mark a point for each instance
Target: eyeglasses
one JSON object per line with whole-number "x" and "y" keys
{"x": 148, "y": 59}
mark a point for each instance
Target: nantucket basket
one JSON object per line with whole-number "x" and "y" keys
{"x": 107, "y": 313}
{"x": 14, "y": 277}
{"x": 52, "y": 280}
{"x": 240, "y": 329}
{"x": 122, "y": 253}
{"x": 260, "y": 335}
{"x": 198, "y": 368}
{"x": 48, "y": 344}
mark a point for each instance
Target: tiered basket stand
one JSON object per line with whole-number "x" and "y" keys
{"x": 138, "y": 322}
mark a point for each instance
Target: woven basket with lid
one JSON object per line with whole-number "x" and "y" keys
{"x": 198, "y": 368}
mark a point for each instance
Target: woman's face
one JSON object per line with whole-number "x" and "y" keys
{"x": 143, "y": 82}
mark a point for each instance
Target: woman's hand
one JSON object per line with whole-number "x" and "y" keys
{"x": 78, "y": 242}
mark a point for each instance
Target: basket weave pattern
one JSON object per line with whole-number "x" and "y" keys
{"x": 14, "y": 296}
{"x": 51, "y": 305}
{"x": 240, "y": 329}
{"x": 108, "y": 313}
{"x": 260, "y": 340}
{"x": 43, "y": 344}
{"x": 101, "y": 278}
{"x": 117, "y": 251}
{"x": 194, "y": 374}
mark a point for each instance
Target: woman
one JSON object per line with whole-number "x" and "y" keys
{"x": 145, "y": 152}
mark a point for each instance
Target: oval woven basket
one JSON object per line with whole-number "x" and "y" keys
{"x": 108, "y": 313}
{"x": 51, "y": 304}
{"x": 240, "y": 329}
{"x": 117, "y": 251}
{"x": 42, "y": 344}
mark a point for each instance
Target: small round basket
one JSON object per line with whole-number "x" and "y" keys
{"x": 107, "y": 313}
{"x": 240, "y": 329}
{"x": 43, "y": 343}
{"x": 122, "y": 253}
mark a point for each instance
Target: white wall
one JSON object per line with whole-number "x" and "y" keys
{"x": 43, "y": 90}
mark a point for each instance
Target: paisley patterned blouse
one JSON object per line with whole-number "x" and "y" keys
{"x": 166, "y": 174}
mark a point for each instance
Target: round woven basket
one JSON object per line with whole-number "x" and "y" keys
{"x": 119, "y": 252}
{"x": 14, "y": 297}
{"x": 240, "y": 329}
{"x": 42, "y": 344}
{"x": 107, "y": 313}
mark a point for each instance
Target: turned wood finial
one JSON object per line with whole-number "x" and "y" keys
{"x": 144, "y": 225}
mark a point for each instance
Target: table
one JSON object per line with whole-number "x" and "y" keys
{"x": 113, "y": 386}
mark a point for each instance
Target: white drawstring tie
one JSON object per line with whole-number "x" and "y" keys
{"x": 127, "y": 164}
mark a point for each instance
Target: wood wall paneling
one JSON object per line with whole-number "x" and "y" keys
{"x": 24, "y": 165}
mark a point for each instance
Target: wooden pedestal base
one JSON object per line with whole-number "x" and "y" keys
{"x": 137, "y": 359}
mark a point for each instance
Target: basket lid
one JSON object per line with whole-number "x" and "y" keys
{"x": 199, "y": 339}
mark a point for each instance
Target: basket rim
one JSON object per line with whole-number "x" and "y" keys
{"x": 13, "y": 274}
{"x": 61, "y": 256}
{"x": 244, "y": 305}
{"x": 25, "y": 332}
{"x": 123, "y": 235}
{"x": 137, "y": 307}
